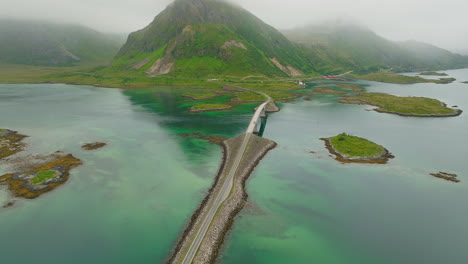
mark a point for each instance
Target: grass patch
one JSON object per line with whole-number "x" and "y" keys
{"x": 405, "y": 105}
{"x": 431, "y": 73}
{"x": 270, "y": 85}
{"x": 353, "y": 146}
{"x": 43, "y": 176}
{"x": 209, "y": 107}
{"x": 252, "y": 96}
{"x": 201, "y": 95}
{"x": 2, "y": 131}
{"x": 399, "y": 79}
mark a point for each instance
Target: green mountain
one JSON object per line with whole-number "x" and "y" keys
{"x": 338, "y": 47}
{"x": 210, "y": 37}
{"x": 48, "y": 44}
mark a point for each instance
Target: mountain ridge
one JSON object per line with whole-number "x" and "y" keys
{"x": 340, "y": 46}
{"x": 188, "y": 30}
{"x": 43, "y": 43}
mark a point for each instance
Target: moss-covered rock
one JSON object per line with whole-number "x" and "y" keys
{"x": 32, "y": 182}
{"x": 93, "y": 146}
{"x": 10, "y": 143}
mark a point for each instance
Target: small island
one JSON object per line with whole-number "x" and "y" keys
{"x": 93, "y": 146}
{"x": 10, "y": 143}
{"x": 404, "y": 106}
{"x": 446, "y": 176}
{"x": 465, "y": 82}
{"x": 352, "y": 149}
{"x": 209, "y": 107}
{"x": 431, "y": 73}
{"x": 31, "y": 176}
{"x": 40, "y": 176}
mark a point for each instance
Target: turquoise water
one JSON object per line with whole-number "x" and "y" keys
{"x": 129, "y": 201}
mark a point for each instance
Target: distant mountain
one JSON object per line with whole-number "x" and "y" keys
{"x": 48, "y": 44}
{"x": 210, "y": 37}
{"x": 337, "y": 47}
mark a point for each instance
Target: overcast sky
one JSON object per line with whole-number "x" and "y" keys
{"x": 443, "y": 23}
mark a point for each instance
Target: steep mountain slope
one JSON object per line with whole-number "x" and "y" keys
{"x": 210, "y": 37}
{"x": 48, "y": 44}
{"x": 335, "y": 47}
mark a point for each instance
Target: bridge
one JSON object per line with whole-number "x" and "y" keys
{"x": 188, "y": 250}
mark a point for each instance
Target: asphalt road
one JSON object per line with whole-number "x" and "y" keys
{"x": 225, "y": 189}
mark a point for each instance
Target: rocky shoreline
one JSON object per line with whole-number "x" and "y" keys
{"x": 382, "y": 159}
{"x": 29, "y": 183}
{"x": 11, "y": 142}
{"x": 31, "y": 176}
{"x": 224, "y": 219}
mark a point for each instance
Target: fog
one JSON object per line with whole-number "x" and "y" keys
{"x": 442, "y": 23}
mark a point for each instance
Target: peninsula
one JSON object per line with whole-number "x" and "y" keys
{"x": 403, "y": 106}
{"x": 431, "y": 73}
{"x": 400, "y": 79}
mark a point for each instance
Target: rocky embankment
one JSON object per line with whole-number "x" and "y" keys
{"x": 213, "y": 241}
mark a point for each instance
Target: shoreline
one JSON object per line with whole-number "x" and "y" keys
{"x": 211, "y": 110}
{"x": 115, "y": 87}
{"x": 382, "y": 159}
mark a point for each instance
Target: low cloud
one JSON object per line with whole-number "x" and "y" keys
{"x": 442, "y": 23}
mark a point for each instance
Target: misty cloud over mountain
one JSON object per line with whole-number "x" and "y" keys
{"x": 442, "y": 23}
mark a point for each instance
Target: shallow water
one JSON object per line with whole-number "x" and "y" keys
{"x": 129, "y": 201}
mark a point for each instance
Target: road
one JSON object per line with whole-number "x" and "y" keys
{"x": 225, "y": 191}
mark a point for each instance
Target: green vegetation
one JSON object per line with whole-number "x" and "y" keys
{"x": 403, "y": 105}
{"x": 2, "y": 131}
{"x": 263, "y": 85}
{"x": 209, "y": 107}
{"x": 48, "y": 44}
{"x": 465, "y": 82}
{"x": 431, "y": 73}
{"x": 43, "y": 176}
{"x": 356, "y": 147}
{"x": 214, "y": 38}
{"x": 200, "y": 95}
{"x": 252, "y": 96}
{"x": 400, "y": 79}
